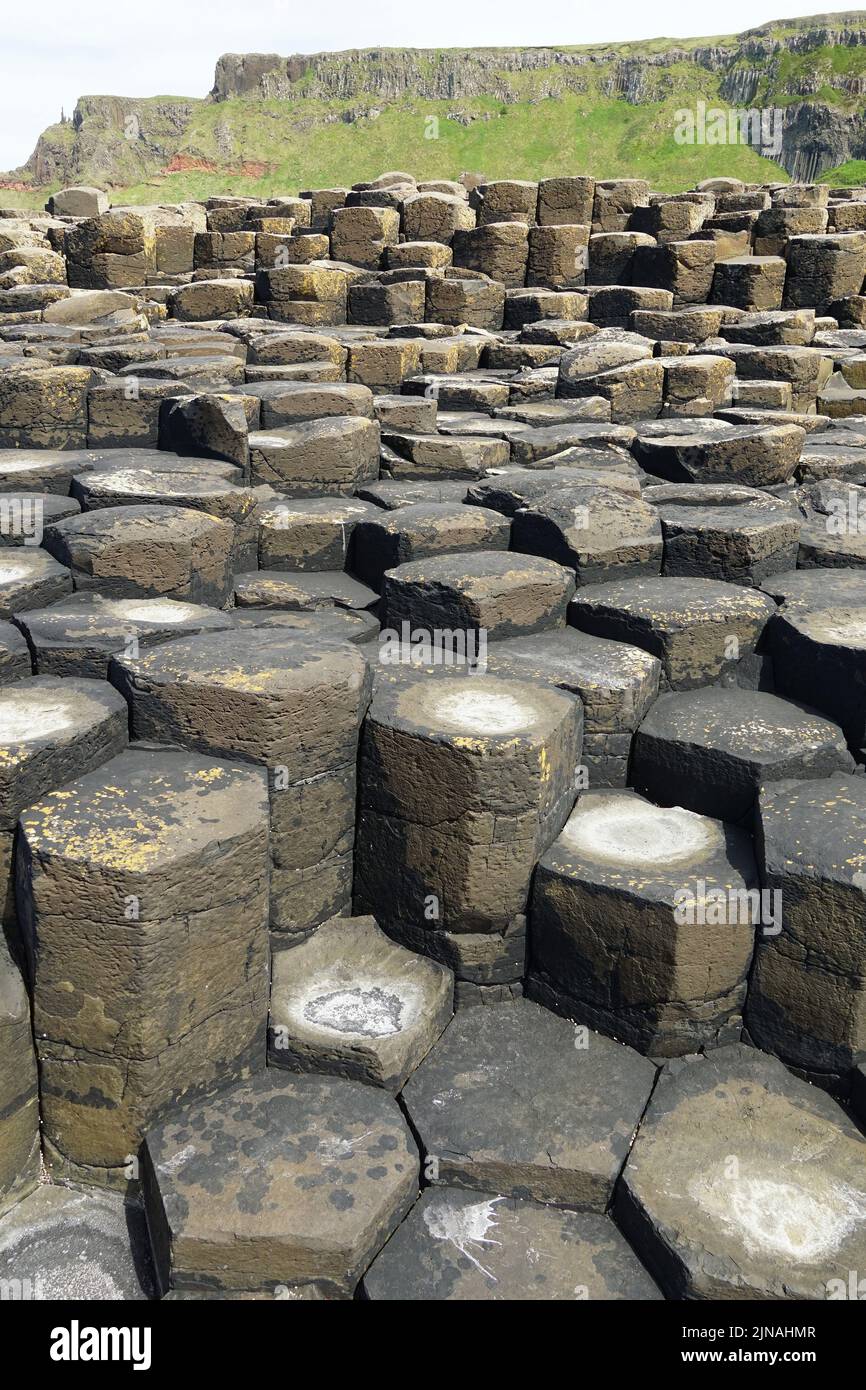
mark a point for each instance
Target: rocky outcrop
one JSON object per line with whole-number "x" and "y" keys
{"x": 816, "y": 137}
{"x": 743, "y": 61}
{"x": 117, "y": 141}
{"x": 110, "y": 141}
{"x": 391, "y": 74}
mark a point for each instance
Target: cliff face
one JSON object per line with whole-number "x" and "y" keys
{"x": 772, "y": 66}
{"x": 745, "y": 63}
{"x": 815, "y": 138}
{"x": 812, "y": 71}
{"x": 110, "y": 141}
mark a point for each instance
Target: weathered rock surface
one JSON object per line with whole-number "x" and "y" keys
{"x": 280, "y": 1180}
{"x": 511, "y": 1100}
{"x": 744, "y": 1183}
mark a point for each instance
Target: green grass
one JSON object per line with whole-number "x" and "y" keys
{"x": 794, "y": 73}
{"x": 850, "y": 175}
{"x": 307, "y": 142}
{"x": 571, "y": 134}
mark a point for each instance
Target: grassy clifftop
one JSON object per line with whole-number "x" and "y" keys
{"x": 277, "y": 124}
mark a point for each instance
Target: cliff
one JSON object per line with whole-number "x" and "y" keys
{"x": 274, "y": 117}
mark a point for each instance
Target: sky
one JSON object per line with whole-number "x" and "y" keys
{"x": 62, "y": 49}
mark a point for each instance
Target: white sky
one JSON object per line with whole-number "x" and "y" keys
{"x": 54, "y": 51}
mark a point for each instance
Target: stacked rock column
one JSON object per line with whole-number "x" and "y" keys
{"x": 464, "y": 783}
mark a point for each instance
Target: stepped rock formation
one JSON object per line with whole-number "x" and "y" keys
{"x": 432, "y": 742}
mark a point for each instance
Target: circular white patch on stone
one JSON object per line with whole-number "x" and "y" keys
{"x": 11, "y": 573}
{"x": 784, "y": 1219}
{"x": 84, "y": 1279}
{"x": 483, "y": 711}
{"x": 157, "y": 611}
{"x": 27, "y": 716}
{"x": 366, "y": 1013}
{"x": 623, "y": 831}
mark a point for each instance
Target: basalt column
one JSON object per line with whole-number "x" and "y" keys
{"x": 294, "y": 706}
{"x": 465, "y": 781}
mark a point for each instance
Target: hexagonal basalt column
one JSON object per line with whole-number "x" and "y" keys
{"x": 497, "y": 249}
{"x": 832, "y": 534}
{"x": 41, "y": 470}
{"x": 201, "y": 485}
{"x": 302, "y": 591}
{"x": 309, "y": 294}
{"x": 290, "y": 703}
{"x": 615, "y": 199}
{"x": 510, "y": 489}
{"x": 146, "y": 552}
{"x": 807, "y": 998}
{"x": 23, "y": 515}
{"x": 457, "y": 1245}
{"x": 611, "y": 256}
{"x": 353, "y": 1003}
{"x": 683, "y": 267}
{"x": 315, "y": 458}
{"x": 434, "y": 217}
{"x": 79, "y": 636}
{"x": 505, "y": 200}
{"x": 696, "y": 384}
{"x": 465, "y": 781}
{"x": 565, "y": 200}
{"x": 19, "y": 1088}
{"x": 334, "y": 624}
{"x": 29, "y": 578}
{"x": 359, "y": 235}
{"x": 822, "y": 269}
{"x": 465, "y": 297}
{"x": 488, "y": 966}
{"x": 44, "y": 407}
{"x": 413, "y": 457}
{"x": 65, "y": 1244}
{"x": 711, "y": 750}
{"x": 292, "y": 402}
{"x": 558, "y": 256}
{"x": 212, "y": 427}
{"x": 499, "y": 593}
{"x": 280, "y": 1180}
{"x": 643, "y": 922}
{"x": 15, "y": 659}
{"x": 159, "y": 861}
{"x": 390, "y": 494}
{"x": 51, "y": 731}
{"x": 698, "y": 628}
{"x": 421, "y": 531}
{"x": 744, "y": 1182}
{"x": 514, "y": 1100}
{"x": 316, "y": 533}
{"x": 819, "y": 658}
{"x": 749, "y": 282}
{"x": 736, "y": 534}
{"x": 809, "y": 589}
{"x": 599, "y": 532}
{"x": 615, "y": 682}
{"x": 710, "y": 451}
